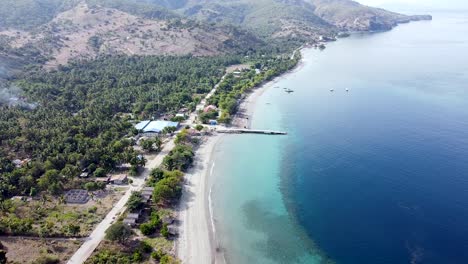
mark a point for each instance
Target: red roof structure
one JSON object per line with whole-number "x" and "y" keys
{"x": 210, "y": 108}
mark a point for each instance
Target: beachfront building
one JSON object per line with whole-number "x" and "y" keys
{"x": 155, "y": 126}
{"x": 213, "y": 122}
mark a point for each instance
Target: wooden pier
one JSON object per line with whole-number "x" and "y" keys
{"x": 251, "y": 131}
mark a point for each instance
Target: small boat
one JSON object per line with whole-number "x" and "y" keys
{"x": 332, "y": 90}
{"x": 347, "y": 89}
{"x": 289, "y": 91}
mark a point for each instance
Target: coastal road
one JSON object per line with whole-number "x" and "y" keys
{"x": 93, "y": 241}
{"x": 193, "y": 116}
{"x": 295, "y": 51}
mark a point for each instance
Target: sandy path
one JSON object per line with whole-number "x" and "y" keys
{"x": 98, "y": 234}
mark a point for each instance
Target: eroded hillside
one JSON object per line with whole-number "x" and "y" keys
{"x": 85, "y": 32}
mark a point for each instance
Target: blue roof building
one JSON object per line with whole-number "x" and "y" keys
{"x": 158, "y": 126}
{"x": 142, "y": 124}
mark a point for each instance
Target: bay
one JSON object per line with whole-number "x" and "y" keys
{"x": 375, "y": 174}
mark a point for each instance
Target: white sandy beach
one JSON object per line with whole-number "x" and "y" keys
{"x": 196, "y": 243}
{"x": 197, "y": 239}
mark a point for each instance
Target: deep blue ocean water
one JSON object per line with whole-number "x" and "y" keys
{"x": 378, "y": 174}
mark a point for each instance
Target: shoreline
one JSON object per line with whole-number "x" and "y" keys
{"x": 194, "y": 212}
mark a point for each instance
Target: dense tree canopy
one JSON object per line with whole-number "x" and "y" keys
{"x": 80, "y": 115}
{"x": 83, "y": 113}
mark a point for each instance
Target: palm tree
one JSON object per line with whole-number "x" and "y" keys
{"x": 158, "y": 143}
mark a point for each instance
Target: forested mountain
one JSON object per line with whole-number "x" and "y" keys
{"x": 350, "y": 15}
{"x": 57, "y": 31}
{"x": 291, "y": 17}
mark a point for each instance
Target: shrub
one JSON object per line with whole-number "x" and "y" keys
{"x": 165, "y": 231}
{"x": 73, "y": 229}
{"x": 47, "y": 260}
{"x": 92, "y": 210}
{"x": 157, "y": 255}
{"x": 110, "y": 257}
{"x": 137, "y": 256}
{"x": 145, "y": 247}
{"x": 180, "y": 158}
{"x": 147, "y": 229}
{"x": 135, "y": 201}
{"x": 119, "y": 232}
{"x": 166, "y": 259}
{"x": 94, "y": 186}
{"x": 167, "y": 189}
{"x": 3, "y": 258}
{"x": 99, "y": 172}
{"x": 156, "y": 175}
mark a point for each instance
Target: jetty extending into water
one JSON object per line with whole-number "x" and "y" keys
{"x": 251, "y": 131}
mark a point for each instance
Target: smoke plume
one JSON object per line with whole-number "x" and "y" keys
{"x": 12, "y": 97}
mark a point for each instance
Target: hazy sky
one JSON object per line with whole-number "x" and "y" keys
{"x": 444, "y": 4}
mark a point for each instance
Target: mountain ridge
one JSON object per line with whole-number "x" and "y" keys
{"x": 85, "y": 32}
{"x": 59, "y": 31}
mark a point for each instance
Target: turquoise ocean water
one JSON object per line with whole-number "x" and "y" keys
{"x": 378, "y": 174}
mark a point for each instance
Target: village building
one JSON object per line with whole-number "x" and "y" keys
{"x": 21, "y": 198}
{"x": 129, "y": 222}
{"x": 155, "y": 126}
{"x": 213, "y": 122}
{"x": 172, "y": 229}
{"x": 20, "y": 163}
{"x": 167, "y": 220}
{"x": 132, "y": 219}
{"x": 141, "y": 125}
{"x": 146, "y": 198}
{"x": 103, "y": 179}
{"x": 133, "y": 216}
{"x": 210, "y": 108}
{"x": 237, "y": 74}
{"x": 119, "y": 179}
{"x": 84, "y": 175}
{"x": 147, "y": 194}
